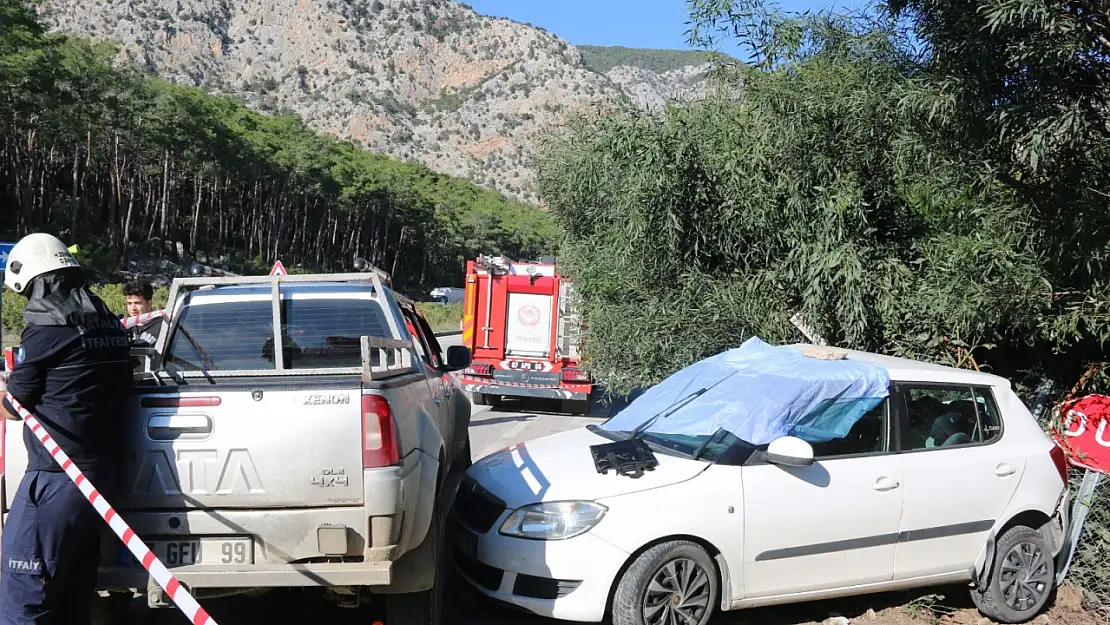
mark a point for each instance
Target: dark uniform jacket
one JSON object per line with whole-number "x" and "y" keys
{"x": 75, "y": 380}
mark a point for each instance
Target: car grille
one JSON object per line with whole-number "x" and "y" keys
{"x": 486, "y": 576}
{"x": 475, "y": 508}
{"x": 543, "y": 587}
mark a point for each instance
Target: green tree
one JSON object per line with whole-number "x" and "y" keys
{"x": 820, "y": 189}
{"x": 135, "y": 167}
{"x": 1023, "y": 86}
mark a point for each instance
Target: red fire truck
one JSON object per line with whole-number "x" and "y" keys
{"x": 523, "y": 329}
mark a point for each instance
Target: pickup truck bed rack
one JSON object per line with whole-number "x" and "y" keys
{"x": 382, "y": 358}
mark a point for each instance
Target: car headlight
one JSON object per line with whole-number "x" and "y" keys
{"x": 556, "y": 520}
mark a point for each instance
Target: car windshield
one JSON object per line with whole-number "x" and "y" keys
{"x": 317, "y": 333}
{"x": 756, "y": 393}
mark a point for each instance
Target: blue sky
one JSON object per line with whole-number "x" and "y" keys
{"x": 631, "y": 23}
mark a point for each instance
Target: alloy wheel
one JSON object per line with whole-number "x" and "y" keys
{"x": 678, "y": 594}
{"x": 1025, "y": 576}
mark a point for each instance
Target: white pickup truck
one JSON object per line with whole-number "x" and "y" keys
{"x": 289, "y": 431}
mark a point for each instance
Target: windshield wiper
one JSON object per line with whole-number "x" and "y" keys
{"x": 701, "y": 448}
{"x": 631, "y": 456}
{"x": 639, "y": 430}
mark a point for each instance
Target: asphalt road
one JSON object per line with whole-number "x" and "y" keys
{"x": 490, "y": 430}
{"x": 517, "y": 421}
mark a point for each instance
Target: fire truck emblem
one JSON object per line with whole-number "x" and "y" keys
{"x": 529, "y": 315}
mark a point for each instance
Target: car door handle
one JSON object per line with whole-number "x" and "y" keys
{"x": 885, "y": 483}
{"x": 1004, "y": 470}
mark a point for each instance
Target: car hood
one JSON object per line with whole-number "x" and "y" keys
{"x": 560, "y": 468}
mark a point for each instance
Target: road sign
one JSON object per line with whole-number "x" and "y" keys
{"x": 1085, "y": 432}
{"x": 5, "y": 249}
{"x": 278, "y": 270}
{"x": 1084, "y": 435}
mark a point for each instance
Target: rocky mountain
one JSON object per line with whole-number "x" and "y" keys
{"x": 429, "y": 80}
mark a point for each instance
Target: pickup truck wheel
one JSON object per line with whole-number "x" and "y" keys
{"x": 1023, "y": 578}
{"x": 467, "y": 458}
{"x": 423, "y": 608}
{"x": 111, "y": 610}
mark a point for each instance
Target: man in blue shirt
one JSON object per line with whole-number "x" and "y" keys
{"x": 72, "y": 371}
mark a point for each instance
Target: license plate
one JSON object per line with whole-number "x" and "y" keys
{"x": 465, "y": 541}
{"x": 537, "y": 378}
{"x": 200, "y": 552}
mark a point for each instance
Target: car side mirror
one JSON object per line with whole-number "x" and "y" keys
{"x": 458, "y": 357}
{"x": 790, "y": 451}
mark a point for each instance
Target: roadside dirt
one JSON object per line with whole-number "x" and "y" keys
{"x": 944, "y": 606}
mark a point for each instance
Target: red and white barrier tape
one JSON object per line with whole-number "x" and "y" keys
{"x": 131, "y": 322}
{"x": 185, "y": 602}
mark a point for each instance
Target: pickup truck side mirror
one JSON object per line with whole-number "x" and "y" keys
{"x": 458, "y": 357}
{"x": 790, "y": 451}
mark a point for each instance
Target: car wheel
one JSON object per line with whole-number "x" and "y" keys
{"x": 575, "y": 406}
{"x": 423, "y": 608}
{"x": 675, "y": 582}
{"x": 1023, "y": 578}
{"x": 478, "y": 399}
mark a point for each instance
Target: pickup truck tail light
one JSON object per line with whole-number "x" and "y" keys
{"x": 570, "y": 374}
{"x": 1061, "y": 461}
{"x": 379, "y": 435}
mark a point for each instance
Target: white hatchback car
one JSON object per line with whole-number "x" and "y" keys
{"x": 948, "y": 480}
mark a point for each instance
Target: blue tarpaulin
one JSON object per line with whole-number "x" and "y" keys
{"x": 758, "y": 393}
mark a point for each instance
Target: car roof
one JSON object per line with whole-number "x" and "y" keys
{"x": 907, "y": 370}
{"x": 321, "y": 287}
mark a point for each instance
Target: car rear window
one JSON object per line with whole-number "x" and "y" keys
{"x": 238, "y": 336}
{"x": 327, "y": 333}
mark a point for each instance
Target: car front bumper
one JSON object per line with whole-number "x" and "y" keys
{"x": 563, "y": 579}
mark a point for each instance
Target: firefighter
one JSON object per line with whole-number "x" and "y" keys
{"x": 138, "y": 300}
{"x": 72, "y": 372}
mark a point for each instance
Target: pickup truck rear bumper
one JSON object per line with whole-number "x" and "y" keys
{"x": 291, "y": 547}
{"x": 270, "y": 576}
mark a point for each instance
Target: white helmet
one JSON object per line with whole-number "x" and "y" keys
{"x": 35, "y": 255}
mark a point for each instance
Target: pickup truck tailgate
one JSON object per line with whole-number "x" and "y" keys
{"x": 246, "y": 446}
